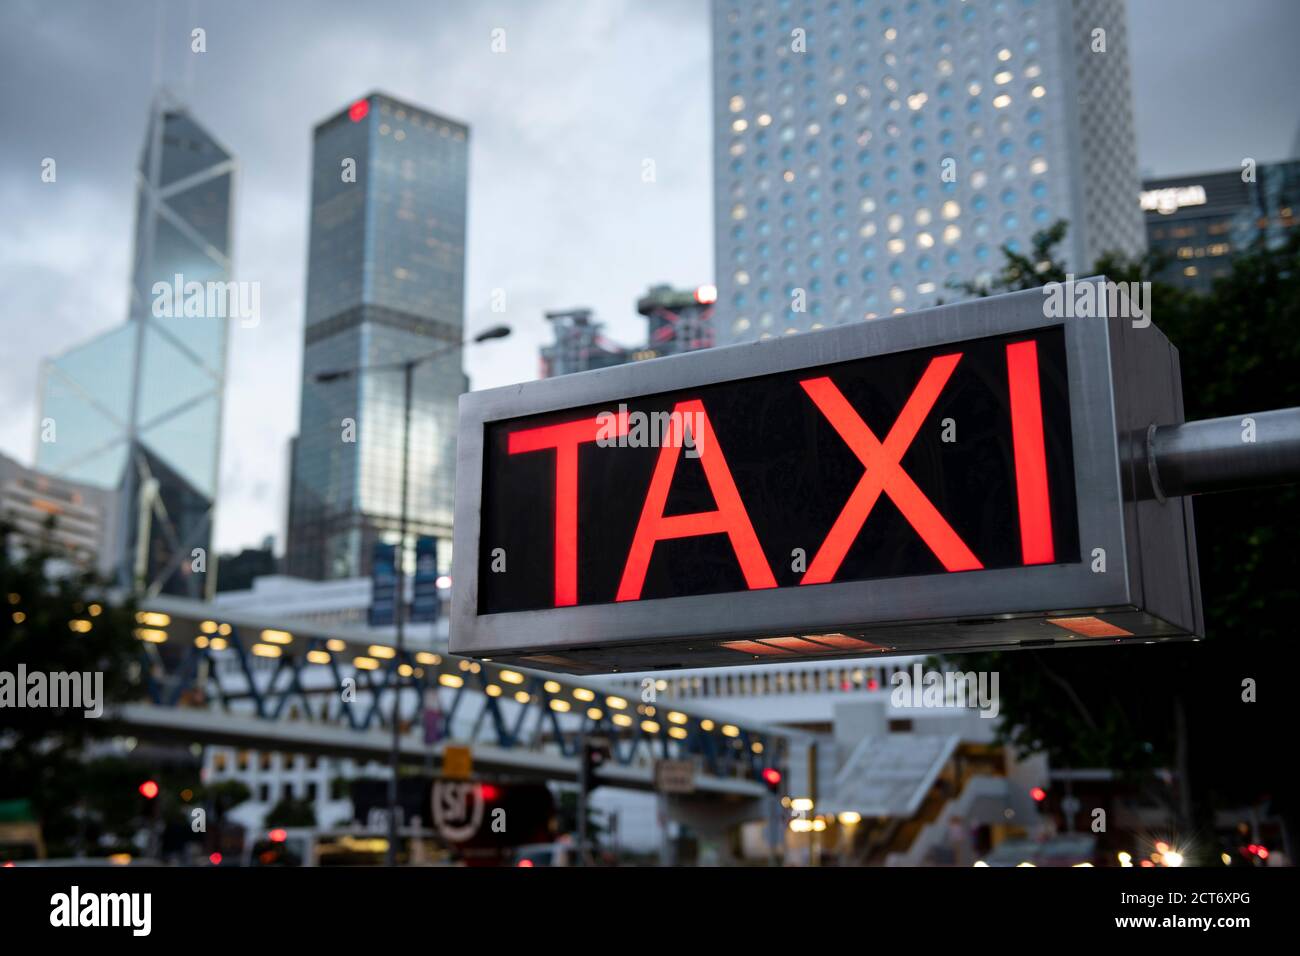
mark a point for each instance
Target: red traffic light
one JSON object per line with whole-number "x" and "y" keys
{"x": 215, "y": 859}
{"x": 1039, "y": 794}
{"x": 772, "y": 777}
{"x": 277, "y": 835}
{"x": 149, "y": 789}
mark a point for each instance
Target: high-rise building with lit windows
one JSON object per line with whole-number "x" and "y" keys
{"x": 871, "y": 154}
{"x": 1198, "y": 224}
{"x": 385, "y": 283}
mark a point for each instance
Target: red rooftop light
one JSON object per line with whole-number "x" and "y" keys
{"x": 358, "y": 110}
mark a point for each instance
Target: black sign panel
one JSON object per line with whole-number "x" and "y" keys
{"x": 383, "y": 585}
{"x": 933, "y": 461}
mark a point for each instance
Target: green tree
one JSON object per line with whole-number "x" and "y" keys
{"x": 55, "y": 618}
{"x": 1139, "y": 708}
{"x": 291, "y": 812}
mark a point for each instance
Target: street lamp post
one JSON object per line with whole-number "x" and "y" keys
{"x": 407, "y": 368}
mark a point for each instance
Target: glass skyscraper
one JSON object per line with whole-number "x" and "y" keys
{"x": 870, "y": 154}
{"x": 138, "y": 408}
{"x": 385, "y": 282}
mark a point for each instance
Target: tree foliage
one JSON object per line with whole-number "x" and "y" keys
{"x": 1138, "y": 709}
{"x": 42, "y": 599}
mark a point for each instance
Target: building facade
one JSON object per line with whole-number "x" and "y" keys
{"x": 70, "y": 518}
{"x": 138, "y": 408}
{"x": 580, "y": 345}
{"x": 385, "y": 283}
{"x": 870, "y": 158}
{"x": 681, "y": 320}
{"x": 1198, "y": 223}
{"x": 678, "y": 320}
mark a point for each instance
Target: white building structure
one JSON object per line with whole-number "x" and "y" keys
{"x": 871, "y": 154}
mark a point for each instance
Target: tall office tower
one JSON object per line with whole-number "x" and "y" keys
{"x": 138, "y": 408}
{"x": 385, "y": 283}
{"x": 869, "y": 155}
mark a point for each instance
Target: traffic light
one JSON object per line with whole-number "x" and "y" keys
{"x": 595, "y": 755}
{"x": 1038, "y": 793}
{"x": 772, "y": 777}
{"x": 148, "y": 789}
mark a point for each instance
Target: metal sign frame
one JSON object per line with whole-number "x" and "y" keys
{"x": 1123, "y": 377}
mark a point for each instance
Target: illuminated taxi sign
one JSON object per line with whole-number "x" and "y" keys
{"x": 950, "y": 478}
{"x": 697, "y": 510}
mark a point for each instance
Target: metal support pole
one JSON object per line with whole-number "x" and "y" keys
{"x": 408, "y": 371}
{"x": 584, "y": 783}
{"x": 407, "y": 367}
{"x": 1224, "y": 454}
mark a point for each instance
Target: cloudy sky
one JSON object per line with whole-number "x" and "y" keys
{"x": 561, "y": 123}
